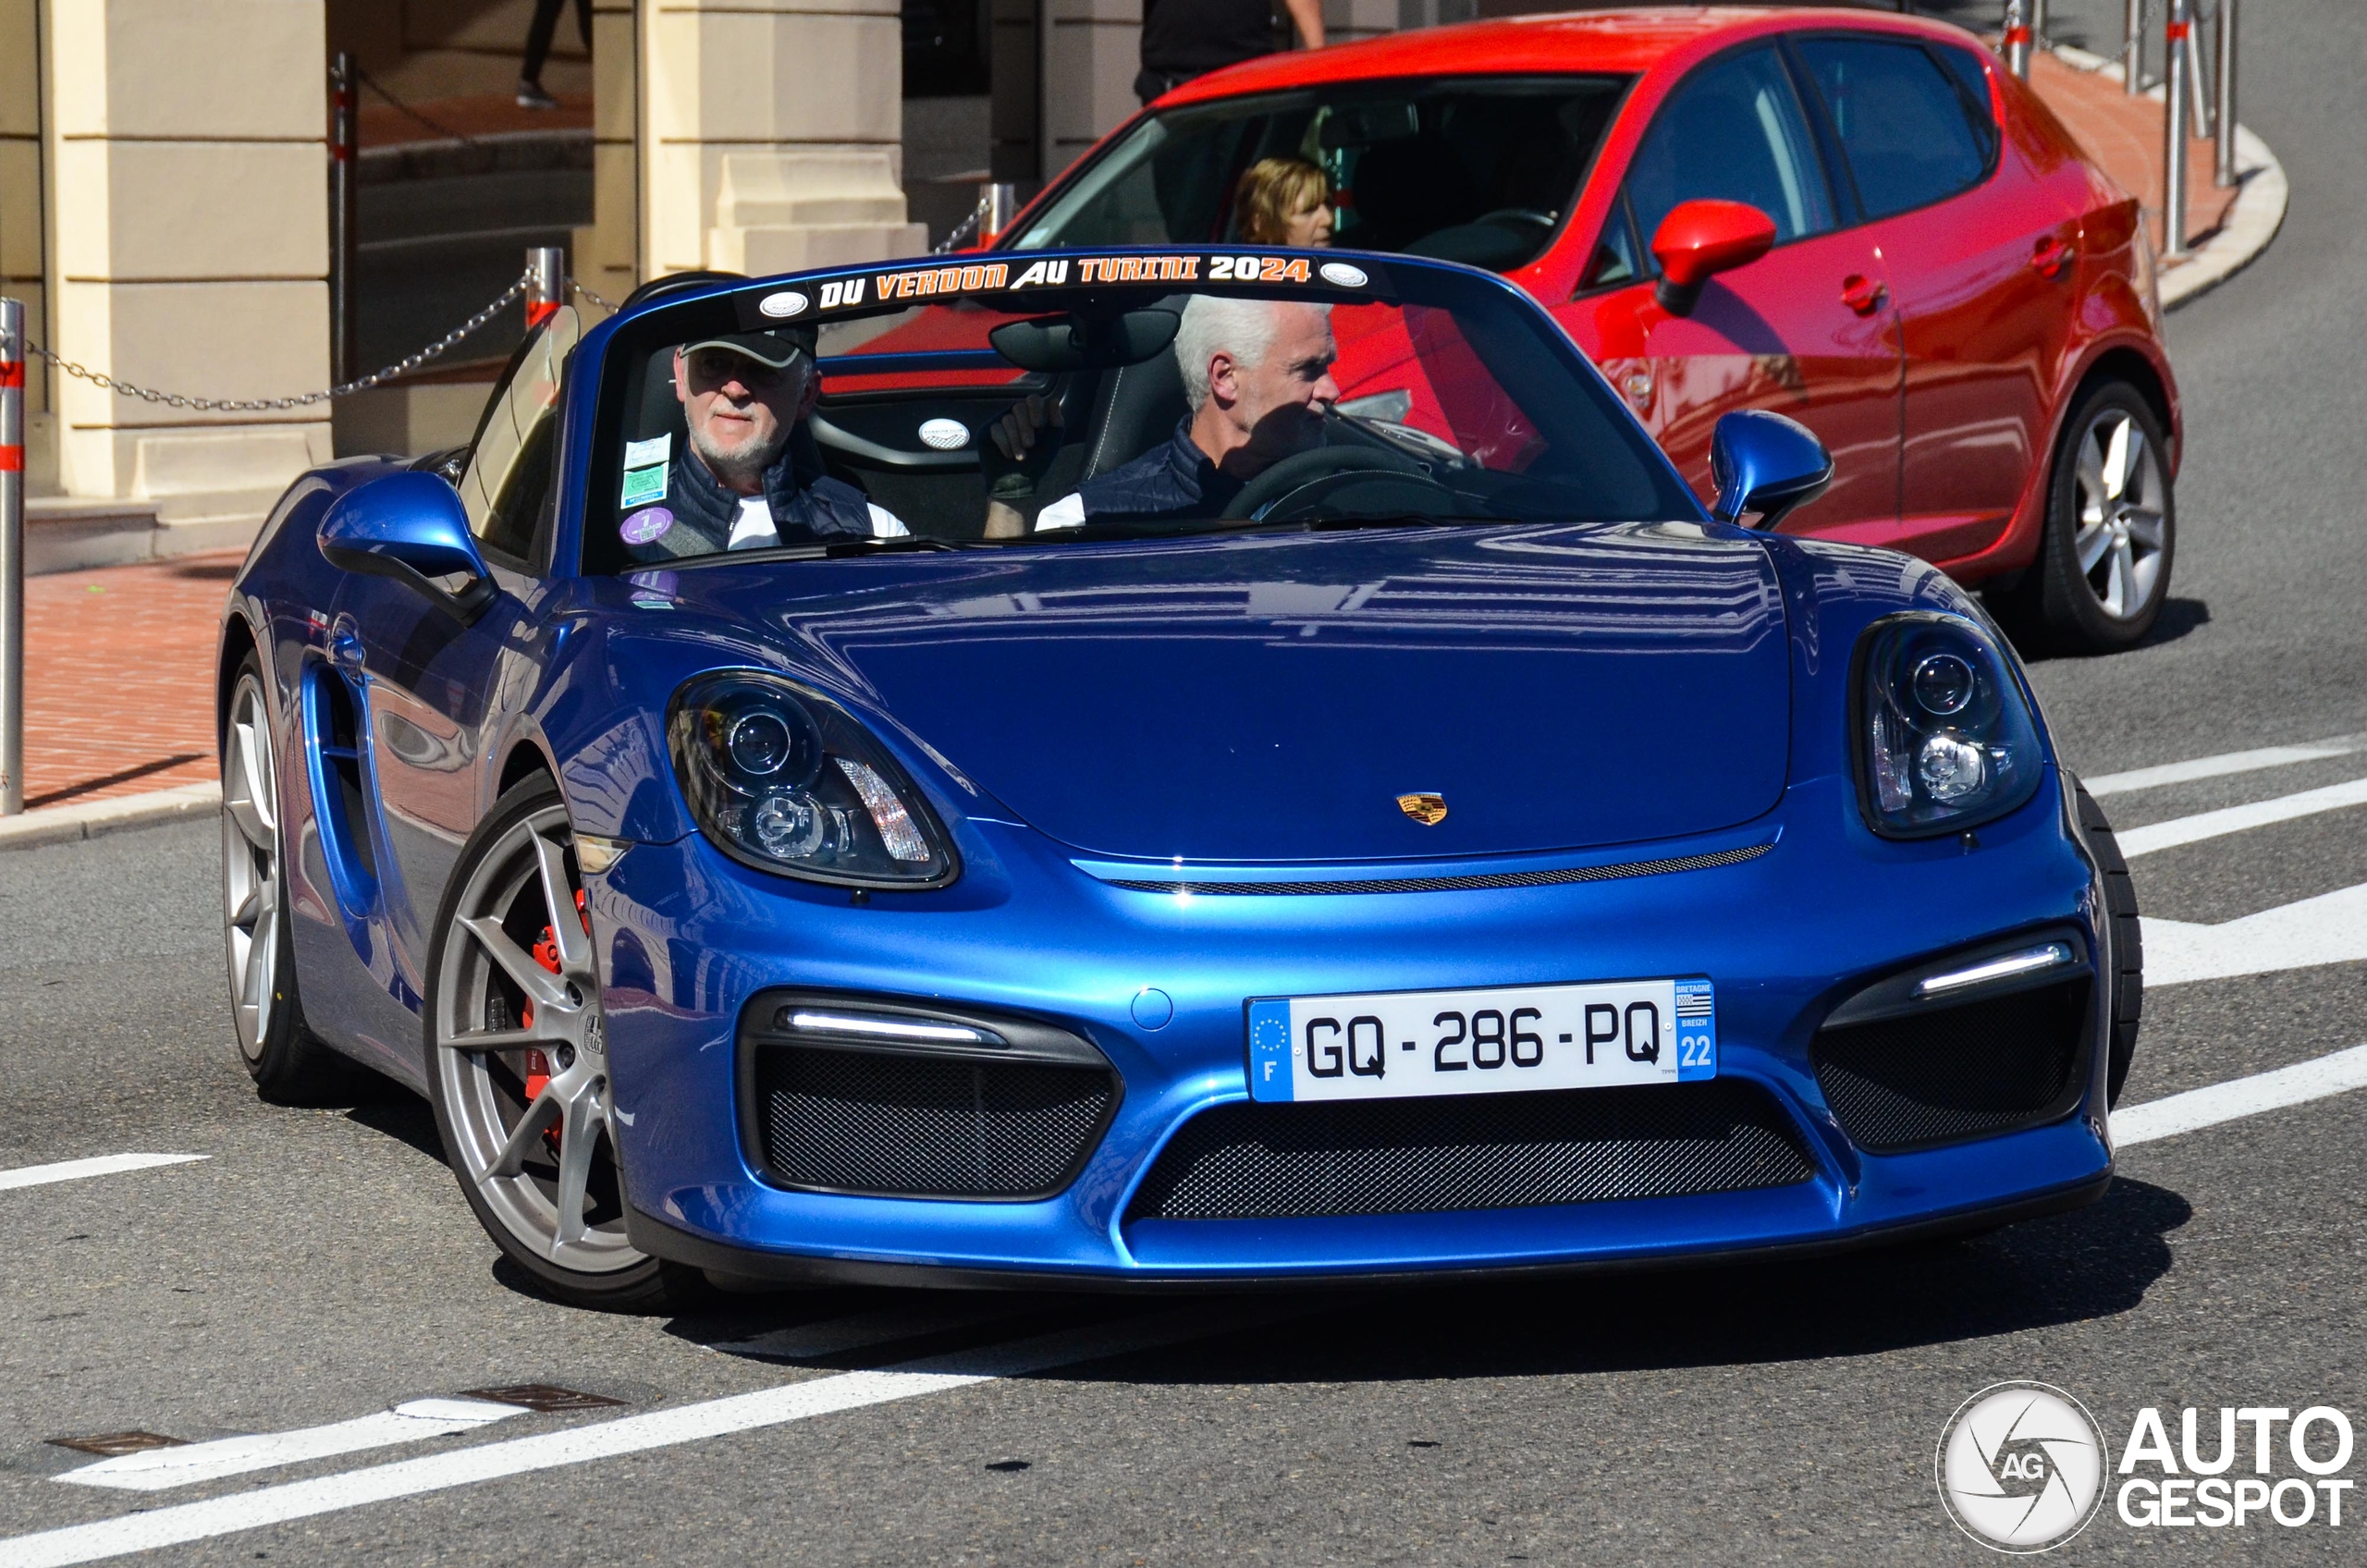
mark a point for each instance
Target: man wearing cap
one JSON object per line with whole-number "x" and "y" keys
{"x": 740, "y": 485}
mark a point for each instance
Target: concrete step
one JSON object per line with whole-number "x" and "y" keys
{"x": 69, "y": 533}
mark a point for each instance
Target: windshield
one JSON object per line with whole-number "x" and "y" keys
{"x": 1474, "y": 169}
{"x": 1058, "y": 401}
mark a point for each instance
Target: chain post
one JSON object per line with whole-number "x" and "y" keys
{"x": 12, "y": 557}
{"x": 997, "y": 205}
{"x": 2175, "y": 34}
{"x": 546, "y": 283}
{"x": 2223, "y": 145}
{"x": 2198, "y": 82}
{"x": 2018, "y": 38}
{"x": 2132, "y": 58}
{"x": 345, "y": 224}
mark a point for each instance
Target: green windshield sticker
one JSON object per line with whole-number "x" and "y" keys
{"x": 643, "y": 485}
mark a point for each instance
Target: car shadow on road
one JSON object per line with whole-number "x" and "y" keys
{"x": 2178, "y": 617}
{"x": 2093, "y": 1263}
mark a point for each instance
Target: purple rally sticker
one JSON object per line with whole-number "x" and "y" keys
{"x": 645, "y": 525}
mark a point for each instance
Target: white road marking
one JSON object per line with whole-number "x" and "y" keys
{"x": 155, "y": 1469}
{"x": 2304, "y": 1082}
{"x": 2135, "y": 841}
{"x": 2220, "y": 767}
{"x": 839, "y": 1335}
{"x": 607, "y": 1440}
{"x": 2330, "y": 928}
{"x": 75, "y": 1170}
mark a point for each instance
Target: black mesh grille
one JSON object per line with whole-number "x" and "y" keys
{"x": 1458, "y": 884}
{"x": 1955, "y": 1074}
{"x": 913, "y": 1126}
{"x": 1248, "y": 1162}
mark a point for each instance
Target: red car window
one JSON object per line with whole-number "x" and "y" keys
{"x": 1480, "y": 170}
{"x": 1733, "y": 131}
{"x": 1911, "y": 133}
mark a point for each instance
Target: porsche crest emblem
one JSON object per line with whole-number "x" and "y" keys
{"x": 1426, "y": 808}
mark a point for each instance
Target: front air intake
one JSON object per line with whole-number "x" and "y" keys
{"x": 1950, "y": 1074}
{"x": 1251, "y": 1161}
{"x": 879, "y": 1099}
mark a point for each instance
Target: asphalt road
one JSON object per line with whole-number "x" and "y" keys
{"x": 319, "y": 1266}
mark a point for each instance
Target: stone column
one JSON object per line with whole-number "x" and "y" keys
{"x": 1092, "y": 51}
{"x": 607, "y": 252}
{"x": 1345, "y": 21}
{"x": 23, "y": 270}
{"x": 771, "y": 134}
{"x": 188, "y": 223}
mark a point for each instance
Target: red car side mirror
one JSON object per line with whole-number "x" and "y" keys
{"x": 1700, "y": 239}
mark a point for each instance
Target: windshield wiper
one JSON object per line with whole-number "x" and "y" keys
{"x": 894, "y": 544}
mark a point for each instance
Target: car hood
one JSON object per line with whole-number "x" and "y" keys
{"x": 1271, "y": 697}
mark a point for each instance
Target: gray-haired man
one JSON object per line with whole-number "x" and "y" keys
{"x": 1257, "y": 376}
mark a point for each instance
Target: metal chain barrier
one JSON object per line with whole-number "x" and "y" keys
{"x": 968, "y": 228}
{"x": 261, "y": 405}
{"x": 594, "y": 297}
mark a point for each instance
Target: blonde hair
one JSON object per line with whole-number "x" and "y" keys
{"x": 1272, "y": 192}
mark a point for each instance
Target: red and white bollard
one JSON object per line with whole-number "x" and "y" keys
{"x": 2224, "y": 123}
{"x": 12, "y": 557}
{"x": 997, "y": 205}
{"x": 2176, "y": 37}
{"x": 2017, "y": 39}
{"x": 546, "y": 283}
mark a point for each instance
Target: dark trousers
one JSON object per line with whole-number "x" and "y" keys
{"x": 539, "y": 31}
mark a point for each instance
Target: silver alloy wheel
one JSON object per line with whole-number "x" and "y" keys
{"x": 251, "y": 864}
{"x": 2118, "y": 490}
{"x": 556, "y": 1195}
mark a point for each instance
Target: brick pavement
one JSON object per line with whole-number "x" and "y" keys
{"x": 119, "y": 673}
{"x": 119, "y": 678}
{"x": 2125, "y": 135}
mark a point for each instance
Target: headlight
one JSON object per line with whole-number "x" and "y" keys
{"x": 781, "y": 779}
{"x": 1944, "y": 739}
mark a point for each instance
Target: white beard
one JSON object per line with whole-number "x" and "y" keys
{"x": 741, "y": 465}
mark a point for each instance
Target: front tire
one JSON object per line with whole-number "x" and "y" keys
{"x": 2102, "y": 572}
{"x": 288, "y": 1064}
{"x": 2128, "y": 977}
{"x": 518, "y": 1066}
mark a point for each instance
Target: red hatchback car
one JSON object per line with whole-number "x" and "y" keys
{"x": 1855, "y": 219}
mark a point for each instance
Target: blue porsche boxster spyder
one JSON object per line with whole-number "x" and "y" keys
{"x": 1169, "y": 768}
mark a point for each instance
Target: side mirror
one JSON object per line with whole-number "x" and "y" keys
{"x": 1700, "y": 239}
{"x": 409, "y": 526}
{"x": 1765, "y": 464}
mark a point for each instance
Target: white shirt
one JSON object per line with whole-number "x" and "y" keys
{"x": 754, "y": 529}
{"x": 1066, "y": 512}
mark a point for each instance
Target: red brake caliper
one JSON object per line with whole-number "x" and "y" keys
{"x": 538, "y": 1066}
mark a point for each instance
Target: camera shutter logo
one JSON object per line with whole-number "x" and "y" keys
{"x": 2022, "y": 1468}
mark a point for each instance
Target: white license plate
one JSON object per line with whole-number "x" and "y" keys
{"x": 1391, "y": 1045}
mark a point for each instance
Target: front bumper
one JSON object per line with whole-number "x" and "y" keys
{"x": 688, "y": 937}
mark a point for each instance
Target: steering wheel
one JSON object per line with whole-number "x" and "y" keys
{"x": 1323, "y": 471}
{"x": 1521, "y": 215}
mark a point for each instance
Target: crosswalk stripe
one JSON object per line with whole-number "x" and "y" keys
{"x": 2298, "y": 1084}
{"x": 184, "y": 1464}
{"x": 800, "y": 1401}
{"x": 2220, "y": 767}
{"x": 2330, "y": 928}
{"x": 2145, "y": 840}
{"x": 75, "y": 1170}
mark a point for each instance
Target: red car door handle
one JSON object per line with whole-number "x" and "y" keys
{"x": 2051, "y": 257}
{"x": 1863, "y": 294}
